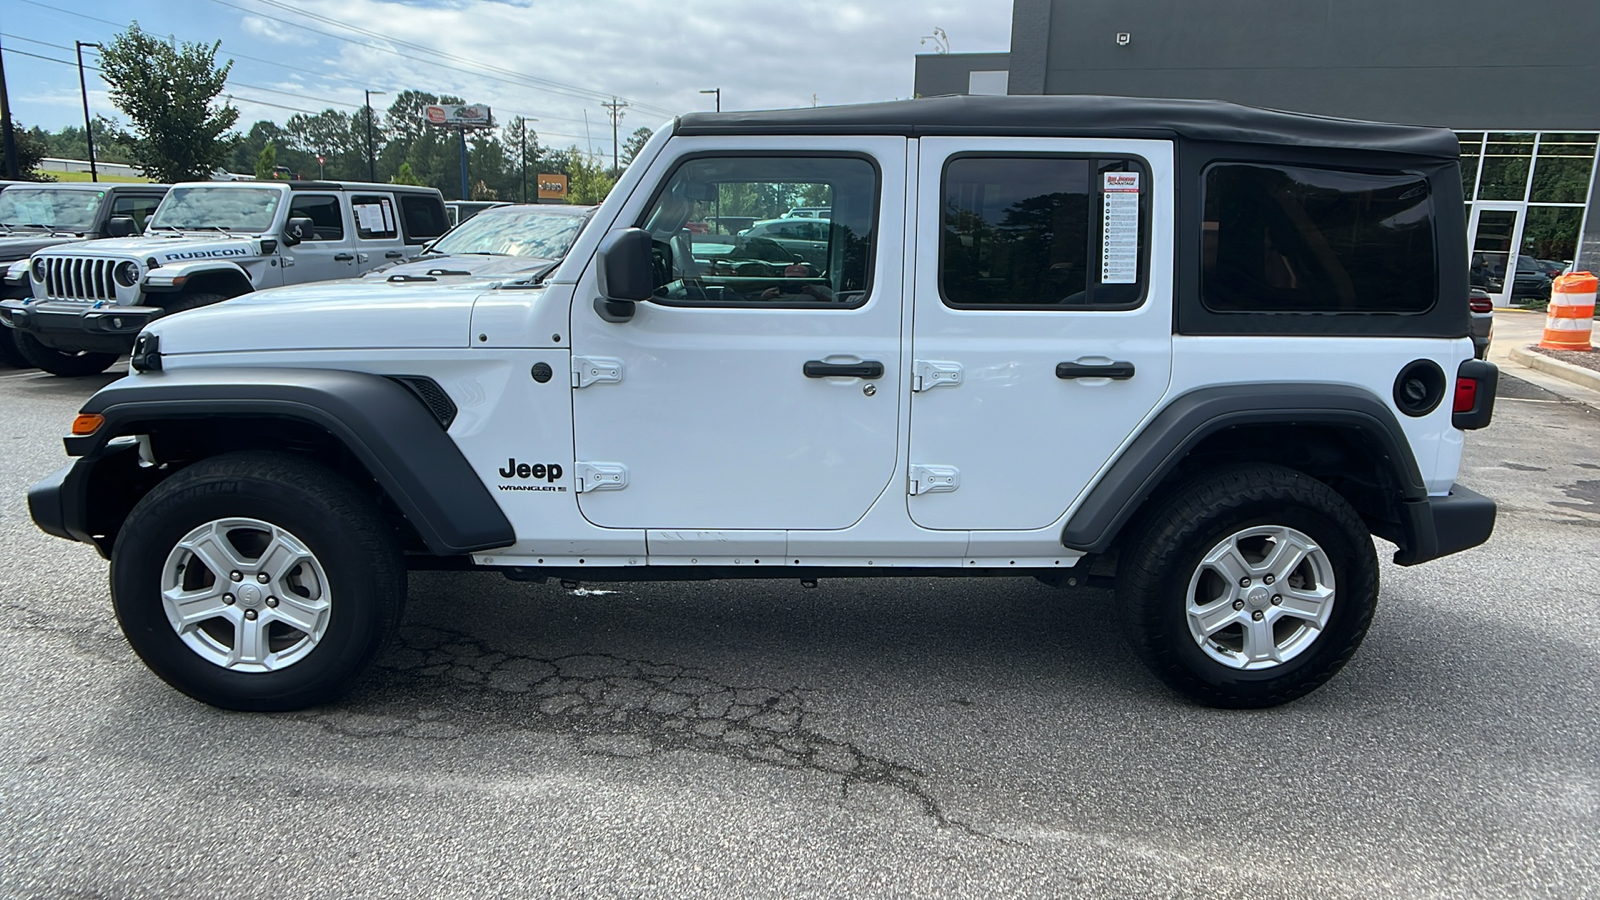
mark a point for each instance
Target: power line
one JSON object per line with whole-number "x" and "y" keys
{"x": 509, "y": 75}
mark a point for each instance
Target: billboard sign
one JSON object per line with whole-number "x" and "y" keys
{"x": 552, "y": 187}
{"x": 469, "y": 115}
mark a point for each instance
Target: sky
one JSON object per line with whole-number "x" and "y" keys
{"x": 553, "y": 60}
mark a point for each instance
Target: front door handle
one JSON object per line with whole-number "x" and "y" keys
{"x": 816, "y": 368}
{"x": 393, "y": 254}
{"x": 1117, "y": 371}
{"x": 344, "y": 257}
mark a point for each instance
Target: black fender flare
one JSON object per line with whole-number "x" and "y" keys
{"x": 1187, "y": 420}
{"x": 381, "y": 422}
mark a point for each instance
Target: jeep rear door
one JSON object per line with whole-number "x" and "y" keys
{"x": 757, "y": 390}
{"x": 1042, "y": 310}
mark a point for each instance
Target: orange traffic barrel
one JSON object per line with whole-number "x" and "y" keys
{"x": 1571, "y": 316}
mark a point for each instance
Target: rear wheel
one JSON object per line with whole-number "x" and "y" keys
{"x": 258, "y": 581}
{"x": 67, "y": 363}
{"x": 1250, "y": 587}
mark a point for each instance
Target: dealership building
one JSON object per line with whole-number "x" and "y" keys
{"x": 1523, "y": 93}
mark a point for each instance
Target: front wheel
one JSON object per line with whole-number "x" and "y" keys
{"x": 67, "y": 363}
{"x": 1250, "y": 587}
{"x": 257, "y": 581}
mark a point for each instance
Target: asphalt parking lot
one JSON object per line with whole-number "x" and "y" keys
{"x": 866, "y": 738}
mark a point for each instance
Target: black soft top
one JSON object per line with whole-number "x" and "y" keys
{"x": 1081, "y": 115}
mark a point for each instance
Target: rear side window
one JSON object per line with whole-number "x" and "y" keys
{"x": 1298, "y": 239}
{"x": 423, "y": 217}
{"x": 1043, "y": 233}
{"x": 375, "y": 218}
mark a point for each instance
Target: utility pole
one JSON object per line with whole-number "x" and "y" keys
{"x": 718, "y": 92}
{"x": 9, "y": 139}
{"x": 372, "y": 162}
{"x": 523, "y": 157}
{"x": 88, "y": 126}
{"x": 615, "y": 108}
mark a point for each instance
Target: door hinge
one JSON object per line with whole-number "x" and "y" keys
{"x": 927, "y": 374}
{"x": 934, "y": 479}
{"x": 600, "y": 476}
{"x": 587, "y": 370}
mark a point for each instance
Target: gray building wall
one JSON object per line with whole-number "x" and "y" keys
{"x": 938, "y": 74}
{"x": 1457, "y": 63}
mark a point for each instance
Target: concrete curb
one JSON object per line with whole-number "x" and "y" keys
{"x": 1564, "y": 370}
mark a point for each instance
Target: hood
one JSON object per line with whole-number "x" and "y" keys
{"x": 475, "y": 265}
{"x": 171, "y": 248}
{"x": 353, "y": 314}
{"x": 21, "y": 245}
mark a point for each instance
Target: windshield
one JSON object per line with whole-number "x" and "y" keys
{"x": 56, "y": 209}
{"x": 230, "y": 209}
{"x": 514, "y": 232}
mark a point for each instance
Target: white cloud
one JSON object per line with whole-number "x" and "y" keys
{"x": 256, "y": 26}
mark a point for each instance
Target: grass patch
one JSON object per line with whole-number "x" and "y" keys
{"x": 113, "y": 179}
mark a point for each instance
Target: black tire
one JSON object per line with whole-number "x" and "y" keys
{"x": 9, "y": 354}
{"x": 1166, "y": 552}
{"x": 61, "y": 362}
{"x": 345, "y": 532}
{"x": 185, "y": 302}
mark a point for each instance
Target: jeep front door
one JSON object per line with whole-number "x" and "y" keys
{"x": 1043, "y": 321}
{"x": 328, "y": 251}
{"x": 757, "y": 389}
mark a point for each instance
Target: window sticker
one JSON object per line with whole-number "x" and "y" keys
{"x": 1119, "y": 247}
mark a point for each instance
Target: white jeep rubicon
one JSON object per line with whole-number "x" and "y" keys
{"x": 1209, "y": 349}
{"x": 208, "y": 241}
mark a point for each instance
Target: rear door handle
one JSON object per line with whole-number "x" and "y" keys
{"x": 1117, "y": 371}
{"x": 816, "y": 368}
{"x": 344, "y": 257}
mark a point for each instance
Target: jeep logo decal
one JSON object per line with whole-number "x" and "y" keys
{"x": 547, "y": 471}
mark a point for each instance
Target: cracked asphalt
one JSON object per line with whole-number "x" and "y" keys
{"x": 887, "y": 738}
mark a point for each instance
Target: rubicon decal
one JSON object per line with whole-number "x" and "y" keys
{"x": 546, "y": 472}
{"x": 208, "y": 254}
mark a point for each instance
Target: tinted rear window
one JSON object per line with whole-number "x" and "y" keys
{"x": 1293, "y": 239}
{"x": 423, "y": 217}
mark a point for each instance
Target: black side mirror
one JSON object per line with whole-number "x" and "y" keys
{"x": 300, "y": 228}
{"x": 625, "y": 275}
{"x": 121, "y": 226}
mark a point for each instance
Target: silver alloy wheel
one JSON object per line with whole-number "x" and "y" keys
{"x": 1260, "y": 597}
{"x": 245, "y": 595}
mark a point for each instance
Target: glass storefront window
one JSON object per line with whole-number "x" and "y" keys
{"x": 1506, "y": 159}
{"x": 1551, "y": 232}
{"x": 1471, "y": 152}
{"x": 1561, "y": 173}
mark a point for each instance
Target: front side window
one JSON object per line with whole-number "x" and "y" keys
{"x": 323, "y": 211}
{"x": 135, "y": 207}
{"x": 720, "y": 235}
{"x": 58, "y": 210}
{"x": 217, "y": 208}
{"x": 1043, "y": 233}
{"x": 1297, "y": 239}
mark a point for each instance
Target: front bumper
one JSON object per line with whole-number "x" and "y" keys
{"x": 87, "y": 499}
{"x": 1440, "y": 526}
{"x": 72, "y": 326}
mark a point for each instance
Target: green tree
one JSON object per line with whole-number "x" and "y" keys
{"x": 635, "y": 143}
{"x": 266, "y": 162}
{"x": 169, "y": 94}
{"x": 588, "y": 183}
{"x": 522, "y": 160}
{"x": 30, "y": 150}
{"x": 405, "y": 175}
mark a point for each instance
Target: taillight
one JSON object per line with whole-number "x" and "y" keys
{"x": 1466, "y": 394}
{"x": 1480, "y": 304}
{"x": 1476, "y": 382}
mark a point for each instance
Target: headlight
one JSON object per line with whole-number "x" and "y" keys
{"x": 126, "y": 273}
{"x": 38, "y": 270}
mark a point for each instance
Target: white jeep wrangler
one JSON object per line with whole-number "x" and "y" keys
{"x": 208, "y": 241}
{"x": 1209, "y": 350}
